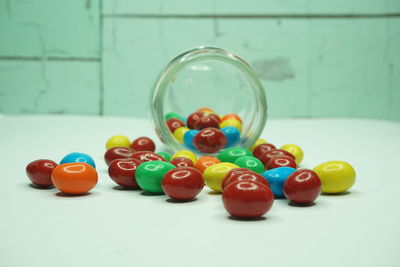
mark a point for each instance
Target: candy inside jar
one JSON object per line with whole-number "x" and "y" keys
{"x": 208, "y": 99}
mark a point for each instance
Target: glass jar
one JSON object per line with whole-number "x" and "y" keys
{"x": 209, "y": 77}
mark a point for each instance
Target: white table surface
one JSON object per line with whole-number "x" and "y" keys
{"x": 112, "y": 227}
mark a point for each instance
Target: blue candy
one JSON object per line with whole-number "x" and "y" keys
{"x": 276, "y": 178}
{"x": 232, "y": 135}
{"x": 78, "y": 157}
{"x": 188, "y": 138}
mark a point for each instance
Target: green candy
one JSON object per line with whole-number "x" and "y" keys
{"x": 150, "y": 173}
{"x": 175, "y": 115}
{"x": 250, "y": 163}
{"x": 232, "y": 154}
{"x": 165, "y": 155}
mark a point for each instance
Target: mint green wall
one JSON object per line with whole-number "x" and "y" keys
{"x": 317, "y": 58}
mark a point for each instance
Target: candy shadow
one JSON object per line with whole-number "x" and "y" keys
{"x": 170, "y": 200}
{"x": 299, "y": 205}
{"x": 61, "y": 194}
{"x": 256, "y": 219}
{"x": 41, "y": 187}
{"x": 345, "y": 193}
{"x": 121, "y": 188}
{"x": 214, "y": 193}
{"x": 150, "y": 194}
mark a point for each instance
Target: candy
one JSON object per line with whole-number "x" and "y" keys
{"x": 247, "y": 199}
{"x": 179, "y": 133}
{"x": 251, "y": 163}
{"x": 276, "y": 178}
{"x": 118, "y": 140}
{"x": 143, "y": 144}
{"x": 74, "y": 178}
{"x": 302, "y": 186}
{"x": 231, "y": 116}
{"x": 165, "y": 155}
{"x": 144, "y": 156}
{"x": 149, "y": 175}
{"x": 173, "y": 115}
{"x": 118, "y": 153}
{"x": 193, "y": 118}
{"x": 265, "y": 158}
{"x": 206, "y": 121}
{"x": 256, "y": 143}
{"x": 262, "y": 149}
{"x": 174, "y": 124}
{"x": 231, "y": 122}
{"x": 232, "y": 173}
{"x": 205, "y": 162}
{"x": 214, "y": 174}
{"x": 39, "y": 172}
{"x": 232, "y": 135}
{"x": 122, "y": 171}
{"x": 183, "y": 183}
{"x": 188, "y": 138}
{"x": 232, "y": 154}
{"x": 182, "y": 162}
{"x": 336, "y": 176}
{"x": 206, "y": 110}
{"x": 78, "y": 157}
{"x": 295, "y": 150}
{"x": 209, "y": 140}
{"x": 245, "y": 176}
{"x": 187, "y": 154}
{"x": 281, "y": 161}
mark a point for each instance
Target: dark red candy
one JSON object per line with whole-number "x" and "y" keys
{"x": 232, "y": 173}
{"x": 118, "y": 153}
{"x": 281, "y": 161}
{"x": 39, "y": 172}
{"x": 247, "y": 176}
{"x": 182, "y": 162}
{"x": 209, "y": 140}
{"x": 174, "y": 124}
{"x": 193, "y": 118}
{"x": 183, "y": 183}
{"x": 206, "y": 121}
{"x": 302, "y": 186}
{"x": 247, "y": 199}
{"x": 273, "y": 153}
{"x": 144, "y": 156}
{"x": 262, "y": 149}
{"x": 143, "y": 144}
{"x": 122, "y": 171}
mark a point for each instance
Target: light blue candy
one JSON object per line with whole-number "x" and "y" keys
{"x": 78, "y": 157}
{"x": 232, "y": 135}
{"x": 276, "y": 178}
{"x": 188, "y": 138}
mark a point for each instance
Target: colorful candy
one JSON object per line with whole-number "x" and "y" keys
{"x": 193, "y": 118}
{"x": 143, "y": 144}
{"x": 251, "y": 163}
{"x": 78, "y": 157}
{"x": 39, "y": 172}
{"x": 174, "y": 124}
{"x": 118, "y": 153}
{"x": 144, "y": 156}
{"x": 302, "y": 186}
{"x": 206, "y": 121}
{"x": 179, "y": 133}
{"x": 281, "y": 161}
{"x": 336, "y": 176}
{"x": 232, "y": 135}
{"x": 266, "y": 157}
{"x": 183, "y": 183}
{"x": 256, "y": 143}
{"x": 186, "y": 154}
{"x": 172, "y": 115}
{"x": 122, "y": 171}
{"x": 182, "y": 162}
{"x": 118, "y": 140}
{"x": 245, "y": 176}
{"x": 150, "y": 174}
{"x": 214, "y": 174}
{"x": 232, "y": 154}
{"x": 262, "y": 149}
{"x": 188, "y": 138}
{"x": 295, "y": 150}
{"x": 232, "y": 173}
{"x": 209, "y": 140}
{"x": 205, "y": 162}
{"x": 165, "y": 155}
{"x": 276, "y": 178}
{"x": 231, "y": 122}
{"x": 231, "y": 116}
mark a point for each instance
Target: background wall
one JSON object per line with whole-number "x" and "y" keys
{"x": 317, "y": 58}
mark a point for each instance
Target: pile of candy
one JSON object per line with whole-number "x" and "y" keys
{"x": 249, "y": 180}
{"x": 205, "y": 131}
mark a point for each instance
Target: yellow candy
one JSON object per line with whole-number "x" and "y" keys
{"x": 296, "y": 151}
{"x": 179, "y": 133}
{"x": 185, "y": 153}
{"x": 336, "y": 176}
{"x": 118, "y": 140}
{"x": 258, "y": 142}
{"x": 231, "y": 122}
{"x": 214, "y": 174}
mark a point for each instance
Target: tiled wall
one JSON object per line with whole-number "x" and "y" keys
{"x": 317, "y": 58}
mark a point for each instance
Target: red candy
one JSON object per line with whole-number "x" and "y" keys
{"x": 302, "y": 186}
{"x": 206, "y": 121}
{"x": 143, "y": 144}
{"x": 262, "y": 149}
{"x": 209, "y": 140}
{"x": 231, "y": 173}
{"x": 39, "y": 172}
{"x": 247, "y": 199}
{"x": 246, "y": 176}
{"x": 273, "y": 153}
{"x": 174, "y": 124}
{"x": 183, "y": 183}
{"x": 193, "y": 118}
{"x": 118, "y": 153}
{"x": 281, "y": 161}
{"x": 122, "y": 171}
{"x": 182, "y": 162}
{"x": 144, "y": 156}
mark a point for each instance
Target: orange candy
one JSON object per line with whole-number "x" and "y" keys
{"x": 231, "y": 116}
{"x": 204, "y": 162}
{"x": 206, "y": 110}
{"x": 74, "y": 178}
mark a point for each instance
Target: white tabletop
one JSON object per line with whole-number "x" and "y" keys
{"x": 112, "y": 227}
